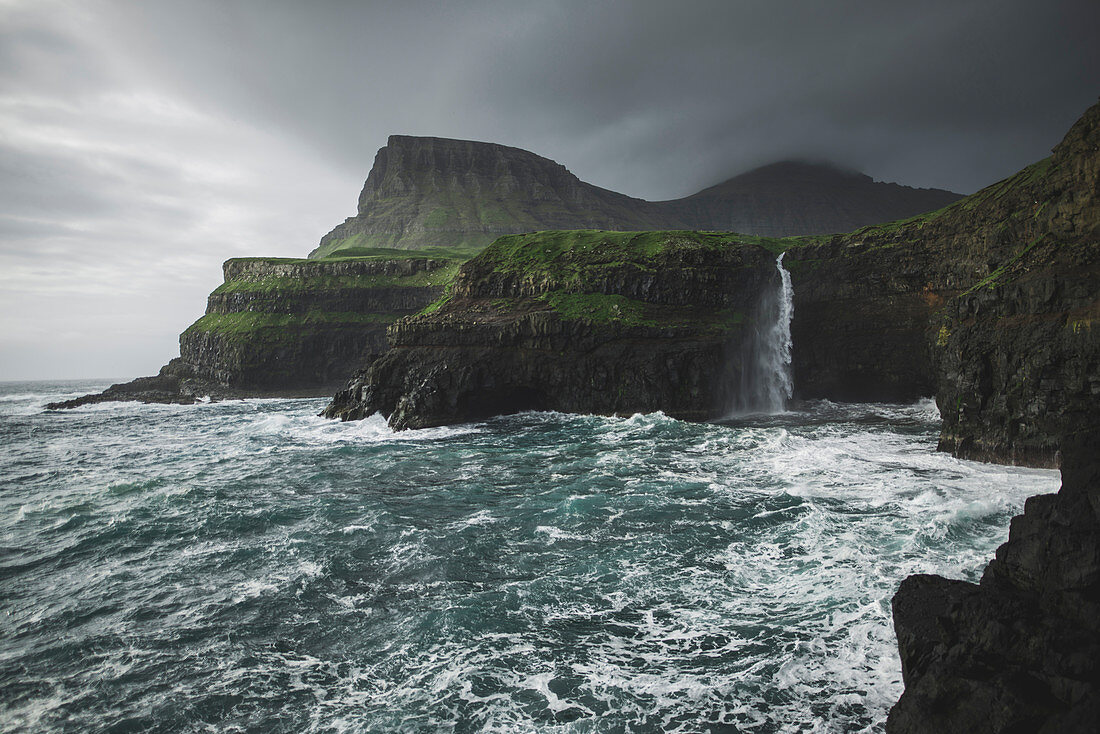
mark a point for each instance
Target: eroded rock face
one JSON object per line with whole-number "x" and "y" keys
{"x": 626, "y": 334}
{"x": 1017, "y": 354}
{"x": 1019, "y": 652}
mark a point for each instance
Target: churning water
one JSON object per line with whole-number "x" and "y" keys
{"x": 247, "y": 566}
{"x": 766, "y": 380}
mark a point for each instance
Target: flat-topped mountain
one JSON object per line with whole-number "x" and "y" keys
{"x": 427, "y": 192}
{"x": 424, "y": 192}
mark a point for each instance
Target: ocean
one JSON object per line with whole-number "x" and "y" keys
{"x": 246, "y": 566}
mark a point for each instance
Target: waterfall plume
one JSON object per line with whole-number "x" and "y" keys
{"x": 766, "y": 382}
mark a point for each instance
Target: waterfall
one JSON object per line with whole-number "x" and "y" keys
{"x": 766, "y": 382}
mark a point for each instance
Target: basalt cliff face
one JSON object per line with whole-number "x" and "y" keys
{"x": 288, "y": 326}
{"x": 302, "y": 323}
{"x": 991, "y": 304}
{"x": 424, "y": 192}
{"x": 1019, "y": 652}
{"x": 585, "y": 321}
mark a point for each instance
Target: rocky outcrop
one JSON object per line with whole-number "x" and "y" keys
{"x": 424, "y": 192}
{"x": 1019, "y": 652}
{"x": 282, "y": 326}
{"x": 1017, "y": 354}
{"x": 1017, "y": 370}
{"x": 594, "y": 322}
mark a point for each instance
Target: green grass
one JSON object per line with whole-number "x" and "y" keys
{"x": 994, "y": 279}
{"x": 440, "y": 217}
{"x": 559, "y": 252}
{"x": 439, "y": 277}
{"x": 251, "y": 326}
{"x": 374, "y": 253}
{"x": 599, "y": 308}
{"x": 449, "y": 244}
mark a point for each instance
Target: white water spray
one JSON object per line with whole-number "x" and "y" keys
{"x": 766, "y": 382}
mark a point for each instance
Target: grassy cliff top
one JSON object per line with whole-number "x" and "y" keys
{"x": 373, "y": 254}
{"x": 542, "y": 251}
{"x": 320, "y": 283}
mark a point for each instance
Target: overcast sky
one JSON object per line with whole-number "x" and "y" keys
{"x": 142, "y": 143}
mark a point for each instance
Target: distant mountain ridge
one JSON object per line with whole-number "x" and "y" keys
{"x": 427, "y": 192}
{"x": 801, "y": 198}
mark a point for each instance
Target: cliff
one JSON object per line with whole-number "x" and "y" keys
{"x": 581, "y": 321}
{"x": 424, "y": 192}
{"x": 282, "y": 326}
{"x": 988, "y": 303}
{"x": 1019, "y": 652}
{"x": 1018, "y": 379}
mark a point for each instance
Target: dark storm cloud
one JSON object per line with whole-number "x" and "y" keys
{"x": 142, "y": 143}
{"x": 657, "y": 98}
{"x": 934, "y": 92}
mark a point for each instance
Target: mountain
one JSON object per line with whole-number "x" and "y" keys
{"x": 425, "y": 192}
{"x": 799, "y": 198}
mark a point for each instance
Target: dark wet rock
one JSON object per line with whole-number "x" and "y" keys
{"x": 1019, "y": 652}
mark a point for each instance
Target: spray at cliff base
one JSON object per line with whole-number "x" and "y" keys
{"x": 248, "y": 566}
{"x": 766, "y": 382}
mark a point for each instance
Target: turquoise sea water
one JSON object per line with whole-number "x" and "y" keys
{"x": 247, "y": 566}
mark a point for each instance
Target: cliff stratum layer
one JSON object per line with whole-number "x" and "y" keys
{"x": 289, "y": 326}
{"x": 424, "y": 192}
